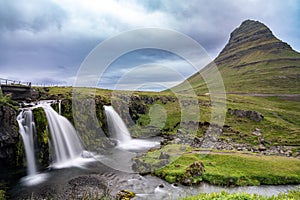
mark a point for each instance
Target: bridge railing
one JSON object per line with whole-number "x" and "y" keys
{"x": 14, "y": 82}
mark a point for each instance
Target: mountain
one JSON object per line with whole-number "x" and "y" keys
{"x": 253, "y": 61}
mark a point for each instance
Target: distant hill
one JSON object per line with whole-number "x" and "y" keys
{"x": 254, "y": 61}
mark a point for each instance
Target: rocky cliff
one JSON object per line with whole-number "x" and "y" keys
{"x": 9, "y": 137}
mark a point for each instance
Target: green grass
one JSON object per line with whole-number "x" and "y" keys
{"x": 269, "y": 76}
{"x": 291, "y": 195}
{"x": 225, "y": 167}
{"x": 280, "y": 126}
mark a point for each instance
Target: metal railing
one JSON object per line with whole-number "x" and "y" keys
{"x": 14, "y": 82}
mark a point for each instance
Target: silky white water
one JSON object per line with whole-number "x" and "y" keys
{"x": 66, "y": 143}
{"x": 67, "y": 148}
{"x": 26, "y": 129}
{"x": 118, "y": 130}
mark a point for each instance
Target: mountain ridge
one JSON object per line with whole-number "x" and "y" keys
{"x": 253, "y": 61}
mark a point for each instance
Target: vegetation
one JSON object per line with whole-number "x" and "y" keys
{"x": 291, "y": 195}
{"x": 2, "y": 195}
{"x": 223, "y": 167}
{"x": 6, "y": 101}
{"x": 41, "y": 136}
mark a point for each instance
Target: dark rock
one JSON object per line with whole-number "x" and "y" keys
{"x": 251, "y": 114}
{"x": 164, "y": 155}
{"x": 262, "y": 147}
{"x": 161, "y": 164}
{"x": 195, "y": 169}
{"x": 9, "y": 136}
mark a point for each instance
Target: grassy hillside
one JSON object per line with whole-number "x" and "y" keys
{"x": 254, "y": 61}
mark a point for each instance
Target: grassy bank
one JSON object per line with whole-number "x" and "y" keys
{"x": 223, "y": 167}
{"x": 291, "y": 195}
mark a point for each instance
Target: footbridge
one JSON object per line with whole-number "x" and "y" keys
{"x": 17, "y": 89}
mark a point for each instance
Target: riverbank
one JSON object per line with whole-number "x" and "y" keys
{"x": 292, "y": 195}
{"x": 183, "y": 164}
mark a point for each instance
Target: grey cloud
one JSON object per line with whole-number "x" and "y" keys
{"x": 31, "y": 15}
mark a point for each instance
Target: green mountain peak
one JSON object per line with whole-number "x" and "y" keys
{"x": 253, "y": 61}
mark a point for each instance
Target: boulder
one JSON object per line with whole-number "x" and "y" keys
{"x": 251, "y": 114}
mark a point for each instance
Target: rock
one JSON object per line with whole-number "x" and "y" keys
{"x": 262, "y": 148}
{"x": 256, "y": 133}
{"x": 163, "y": 100}
{"x": 9, "y": 137}
{"x": 164, "y": 155}
{"x": 125, "y": 195}
{"x": 195, "y": 169}
{"x": 177, "y": 141}
{"x": 254, "y": 115}
{"x": 161, "y": 164}
{"x": 251, "y": 114}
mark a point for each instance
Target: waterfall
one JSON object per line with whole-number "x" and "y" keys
{"x": 118, "y": 130}
{"x": 116, "y": 125}
{"x": 59, "y": 107}
{"x": 26, "y": 129}
{"x": 66, "y": 143}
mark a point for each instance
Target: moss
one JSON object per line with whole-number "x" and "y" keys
{"x": 292, "y": 195}
{"x": 125, "y": 195}
{"x": 222, "y": 167}
{"x": 2, "y": 195}
{"x": 20, "y": 153}
{"x": 41, "y": 136}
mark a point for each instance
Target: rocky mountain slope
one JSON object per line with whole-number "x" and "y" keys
{"x": 254, "y": 61}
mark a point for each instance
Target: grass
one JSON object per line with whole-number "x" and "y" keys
{"x": 291, "y": 195}
{"x": 225, "y": 167}
{"x": 280, "y": 126}
{"x": 266, "y": 72}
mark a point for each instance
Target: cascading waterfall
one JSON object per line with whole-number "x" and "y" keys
{"x": 26, "y": 129}
{"x": 116, "y": 125}
{"x": 66, "y": 143}
{"x": 119, "y": 131}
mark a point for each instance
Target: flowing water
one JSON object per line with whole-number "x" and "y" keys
{"x": 67, "y": 147}
{"x": 106, "y": 169}
{"x": 118, "y": 130}
{"x": 27, "y": 129}
{"x": 66, "y": 143}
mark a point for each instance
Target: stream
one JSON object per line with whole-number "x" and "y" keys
{"x": 77, "y": 173}
{"x": 94, "y": 176}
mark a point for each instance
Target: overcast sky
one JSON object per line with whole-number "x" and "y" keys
{"x": 45, "y": 41}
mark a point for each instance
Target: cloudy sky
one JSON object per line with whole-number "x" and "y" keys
{"x": 46, "y": 41}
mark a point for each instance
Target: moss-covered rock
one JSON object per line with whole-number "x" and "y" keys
{"x": 125, "y": 195}
{"x": 193, "y": 173}
{"x": 41, "y": 137}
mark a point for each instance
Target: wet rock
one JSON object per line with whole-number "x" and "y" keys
{"x": 9, "y": 136}
{"x": 164, "y": 155}
{"x": 161, "y": 164}
{"x": 125, "y": 195}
